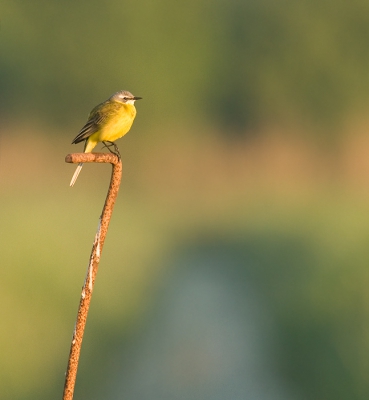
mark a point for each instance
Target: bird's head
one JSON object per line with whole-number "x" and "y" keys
{"x": 123, "y": 96}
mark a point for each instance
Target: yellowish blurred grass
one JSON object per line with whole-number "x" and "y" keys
{"x": 195, "y": 165}
{"x": 173, "y": 192}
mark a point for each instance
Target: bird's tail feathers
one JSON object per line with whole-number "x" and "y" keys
{"x": 75, "y": 175}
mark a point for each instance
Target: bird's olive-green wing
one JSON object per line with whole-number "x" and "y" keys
{"x": 97, "y": 118}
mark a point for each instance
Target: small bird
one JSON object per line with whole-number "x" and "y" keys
{"x": 106, "y": 123}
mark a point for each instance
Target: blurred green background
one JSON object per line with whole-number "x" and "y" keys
{"x": 236, "y": 263}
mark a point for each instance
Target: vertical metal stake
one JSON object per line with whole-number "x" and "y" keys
{"x": 84, "y": 304}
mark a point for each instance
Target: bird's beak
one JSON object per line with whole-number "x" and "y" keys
{"x": 137, "y": 98}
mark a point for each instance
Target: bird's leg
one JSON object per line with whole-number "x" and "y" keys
{"x": 112, "y": 144}
{"x": 106, "y": 146}
{"x": 116, "y": 149}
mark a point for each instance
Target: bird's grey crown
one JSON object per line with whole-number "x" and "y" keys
{"x": 122, "y": 95}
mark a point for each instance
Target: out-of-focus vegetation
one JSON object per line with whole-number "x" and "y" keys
{"x": 226, "y": 153}
{"x": 236, "y": 62}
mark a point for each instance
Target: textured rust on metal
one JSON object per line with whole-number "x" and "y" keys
{"x": 97, "y": 247}
{"x": 76, "y": 158}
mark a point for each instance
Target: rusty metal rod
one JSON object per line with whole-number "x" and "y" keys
{"x": 84, "y": 304}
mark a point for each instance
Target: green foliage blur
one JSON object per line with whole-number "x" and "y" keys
{"x": 234, "y": 63}
{"x": 252, "y": 136}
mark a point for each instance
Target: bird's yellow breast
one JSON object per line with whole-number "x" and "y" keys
{"x": 116, "y": 125}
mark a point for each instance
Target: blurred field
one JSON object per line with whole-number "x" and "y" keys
{"x": 300, "y": 213}
{"x": 236, "y": 263}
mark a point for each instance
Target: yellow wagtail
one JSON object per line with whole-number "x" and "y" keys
{"x": 106, "y": 123}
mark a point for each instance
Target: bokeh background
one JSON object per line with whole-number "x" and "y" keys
{"x": 236, "y": 264}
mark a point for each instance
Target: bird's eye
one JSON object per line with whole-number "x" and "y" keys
{"x": 125, "y": 98}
